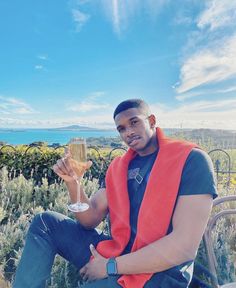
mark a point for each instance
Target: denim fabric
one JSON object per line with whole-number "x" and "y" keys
{"x": 110, "y": 282}
{"x": 171, "y": 278}
{"x": 51, "y": 233}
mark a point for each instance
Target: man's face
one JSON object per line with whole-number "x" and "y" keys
{"x": 137, "y": 130}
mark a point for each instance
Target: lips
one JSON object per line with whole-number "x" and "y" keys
{"x": 133, "y": 140}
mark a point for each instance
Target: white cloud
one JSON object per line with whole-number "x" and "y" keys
{"x": 182, "y": 20}
{"x": 188, "y": 95}
{"x": 97, "y": 121}
{"x": 14, "y": 106}
{"x": 79, "y": 18}
{"x": 82, "y": 2}
{"x": 96, "y": 95}
{"x": 200, "y": 114}
{"x": 227, "y": 90}
{"x": 203, "y": 114}
{"x": 209, "y": 65}
{"x": 218, "y": 14}
{"x": 7, "y": 122}
{"x": 118, "y": 12}
{"x": 209, "y": 106}
{"x": 23, "y": 110}
{"x": 42, "y": 57}
{"x": 91, "y": 112}
{"x": 92, "y": 102}
{"x": 87, "y": 107}
{"x": 209, "y": 54}
{"x": 38, "y": 67}
{"x": 121, "y": 12}
{"x": 183, "y": 17}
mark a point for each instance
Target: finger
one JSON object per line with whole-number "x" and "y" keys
{"x": 84, "y": 274}
{"x": 93, "y": 250}
{"x": 78, "y": 168}
{"x": 67, "y": 151}
{"x": 57, "y": 170}
{"x": 89, "y": 164}
{"x": 82, "y": 271}
{"x": 66, "y": 164}
{"x": 64, "y": 161}
{"x": 61, "y": 165}
{"x": 85, "y": 277}
{"x": 67, "y": 155}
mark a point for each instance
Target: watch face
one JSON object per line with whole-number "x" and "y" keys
{"x": 111, "y": 267}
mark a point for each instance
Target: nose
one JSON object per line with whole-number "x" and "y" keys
{"x": 129, "y": 131}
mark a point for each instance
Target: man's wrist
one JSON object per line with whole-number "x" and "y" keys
{"x": 111, "y": 267}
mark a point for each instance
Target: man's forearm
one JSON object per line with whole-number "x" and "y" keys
{"x": 158, "y": 256}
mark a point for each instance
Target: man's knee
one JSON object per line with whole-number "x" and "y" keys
{"x": 45, "y": 221}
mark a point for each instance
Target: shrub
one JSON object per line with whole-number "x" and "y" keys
{"x": 29, "y": 186}
{"x": 20, "y": 200}
{"x": 37, "y": 161}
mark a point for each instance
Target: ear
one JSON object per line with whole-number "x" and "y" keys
{"x": 152, "y": 120}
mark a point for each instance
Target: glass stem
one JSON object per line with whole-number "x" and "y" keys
{"x": 78, "y": 190}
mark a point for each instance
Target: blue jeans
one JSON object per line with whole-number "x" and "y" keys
{"x": 51, "y": 233}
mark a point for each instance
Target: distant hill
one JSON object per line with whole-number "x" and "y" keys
{"x": 75, "y": 127}
{"x": 214, "y": 137}
{"x": 204, "y": 137}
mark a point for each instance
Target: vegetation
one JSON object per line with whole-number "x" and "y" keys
{"x": 20, "y": 200}
{"x": 36, "y": 162}
{"x": 29, "y": 186}
{"x": 208, "y": 138}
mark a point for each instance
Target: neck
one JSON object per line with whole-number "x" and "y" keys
{"x": 151, "y": 147}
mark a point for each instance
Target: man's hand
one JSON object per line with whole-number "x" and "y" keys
{"x": 96, "y": 268}
{"x": 68, "y": 169}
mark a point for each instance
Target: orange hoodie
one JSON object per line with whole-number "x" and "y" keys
{"x": 157, "y": 206}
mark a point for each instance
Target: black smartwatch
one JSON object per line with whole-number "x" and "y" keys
{"x": 112, "y": 267}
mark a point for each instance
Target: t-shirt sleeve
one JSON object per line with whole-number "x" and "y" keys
{"x": 198, "y": 175}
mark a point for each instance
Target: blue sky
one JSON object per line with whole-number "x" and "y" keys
{"x": 66, "y": 62}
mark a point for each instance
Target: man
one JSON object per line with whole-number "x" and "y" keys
{"x": 159, "y": 197}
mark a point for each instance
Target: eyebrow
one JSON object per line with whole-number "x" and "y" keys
{"x": 130, "y": 119}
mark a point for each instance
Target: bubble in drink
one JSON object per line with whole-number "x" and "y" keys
{"x": 78, "y": 152}
{"x": 77, "y": 147}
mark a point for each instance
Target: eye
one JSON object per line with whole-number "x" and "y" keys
{"x": 120, "y": 129}
{"x": 134, "y": 122}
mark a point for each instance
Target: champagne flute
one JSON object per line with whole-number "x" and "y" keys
{"x": 77, "y": 148}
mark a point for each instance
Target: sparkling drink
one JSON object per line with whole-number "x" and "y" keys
{"x": 78, "y": 151}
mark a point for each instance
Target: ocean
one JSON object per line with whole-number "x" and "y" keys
{"x": 27, "y": 136}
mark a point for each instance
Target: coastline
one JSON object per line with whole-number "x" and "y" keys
{"x": 60, "y": 136}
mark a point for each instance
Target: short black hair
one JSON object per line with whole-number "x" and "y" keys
{"x": 132, "y": 103}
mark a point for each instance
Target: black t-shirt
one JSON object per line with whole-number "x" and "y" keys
{"x": 197, "y": 178}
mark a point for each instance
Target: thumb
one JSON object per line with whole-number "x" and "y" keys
{"x": 93, "y": 250}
